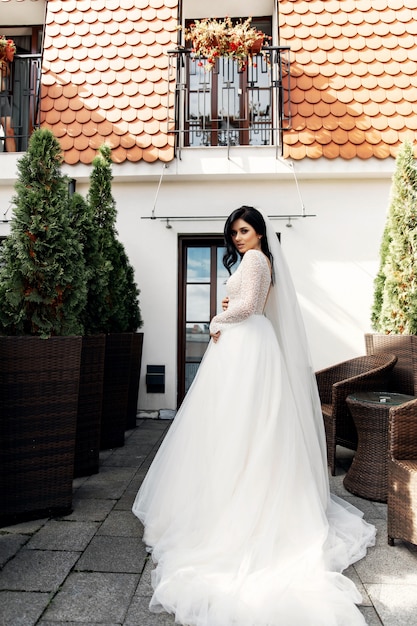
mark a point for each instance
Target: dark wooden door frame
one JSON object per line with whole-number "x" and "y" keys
{"x": 185, "y": 241}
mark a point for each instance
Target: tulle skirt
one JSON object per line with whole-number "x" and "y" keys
{"x": 232, "y": 512}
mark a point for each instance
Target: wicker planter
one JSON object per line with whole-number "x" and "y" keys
{"x": 39, "y": 381}
{"x": 115, "y": 390}
{"x": 134, "y": 379}
{"x": 87, "y": 442}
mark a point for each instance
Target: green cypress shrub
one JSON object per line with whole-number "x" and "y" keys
{"x": 42, "y": 270}
{"x": 97, "y": 267}
{"x": 119, "y": 304}
{"x": 395, "y": 295}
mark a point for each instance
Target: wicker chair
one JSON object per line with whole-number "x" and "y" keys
{"x": 403, "y": 377}
{"x": 335, "y": 383}
{"x": 402, "y": 473}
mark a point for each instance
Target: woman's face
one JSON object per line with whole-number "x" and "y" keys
{"x": 244, "y": 236}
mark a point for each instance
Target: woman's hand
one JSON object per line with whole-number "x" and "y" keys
{"x": 225, "y": 304}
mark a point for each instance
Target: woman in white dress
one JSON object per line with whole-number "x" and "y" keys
{"x": 236, "y": 505}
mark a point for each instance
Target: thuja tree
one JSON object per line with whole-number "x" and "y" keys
{"x": 97, "y": 267}
{"x": 118, "y": 302}
{"x": 42, "y": 275}
{"x": 395, "y": 297}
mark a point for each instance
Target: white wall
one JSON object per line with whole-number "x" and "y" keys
{"x": 333, "y": 257}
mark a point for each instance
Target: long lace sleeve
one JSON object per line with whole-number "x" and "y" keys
{"x": 247, "y": 290}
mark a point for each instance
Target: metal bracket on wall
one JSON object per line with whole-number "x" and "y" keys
{"x": 212, "y": 218}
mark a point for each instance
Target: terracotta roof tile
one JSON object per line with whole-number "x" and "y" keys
{"x": 347, "y": 151}
{"x": 347, "y": 122}
{"x": 388, "y": 109}
{"x": 83, "y": 115}
{"x": 90, "y": 128}
{"x": 412, "y": 122}
{"x": 361, "y": 98}
{"x": 134, "y": 154}
{"x": 330, "y": 151}
{"x": 68, "y": 117}
{"x": 324, "y": 136}
{"x": 102, "y": 60}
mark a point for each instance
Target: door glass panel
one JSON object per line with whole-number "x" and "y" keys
{"x": 197, "y": 309}
{"x": 229, "y": 96}
{"x": 204, "y": 285}
{"x": 197, "y": 339}
{"x": 198, "y": 265}
{"x": 199, "y": 114}
{"x": 198, "y": 303}
{"x": 260, "y": 103}
{"x": 222, "y": 277}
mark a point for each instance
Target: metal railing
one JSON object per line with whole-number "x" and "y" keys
{"x": 230, "y": 105}
{"x": 19, "y": 102}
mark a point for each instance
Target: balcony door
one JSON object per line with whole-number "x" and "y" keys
{"x": 201, "y": 288}
{"x": 229, "y": 105}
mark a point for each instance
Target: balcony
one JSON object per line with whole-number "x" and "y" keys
{"x": 19, "y": 102}
{"x": 230, "y": 106}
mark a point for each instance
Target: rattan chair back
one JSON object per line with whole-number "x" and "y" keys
{"x": 403, "y": 378}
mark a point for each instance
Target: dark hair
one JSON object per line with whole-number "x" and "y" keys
{"x": 253, "y": 217}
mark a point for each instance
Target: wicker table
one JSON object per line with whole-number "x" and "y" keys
{"x": 367, "y": 476}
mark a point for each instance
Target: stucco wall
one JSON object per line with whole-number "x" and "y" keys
{"x": 333, "y": 257}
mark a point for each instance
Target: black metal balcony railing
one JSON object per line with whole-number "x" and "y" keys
{"x": 19, "y": 102}
{"x": 230, "y": 106}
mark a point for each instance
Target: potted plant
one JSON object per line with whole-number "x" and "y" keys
{"x": 132, "y": 322}
{"x": 212, "y": 39}
{"x": 7, "y": 49}
{"x": 394, "y": 310}
{"x": 87, "y": 440}
{"x": 118, "y": 301}
{"x": 42, "y": 293}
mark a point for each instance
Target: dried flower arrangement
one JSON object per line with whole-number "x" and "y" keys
{"x": 7, "y": 50}
{"x": 212, "y": 38}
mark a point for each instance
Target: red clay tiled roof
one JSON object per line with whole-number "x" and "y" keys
{"x": 105, "y": 77}
{"x": 353, "y": 77}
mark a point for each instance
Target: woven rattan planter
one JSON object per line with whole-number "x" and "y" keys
{"x": 115, "y": 390}
{"x": 87, "y": 442}
{"x": 39, "y": 381}
{"x": 134, "y": 379}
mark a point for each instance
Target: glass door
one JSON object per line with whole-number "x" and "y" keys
{"x": 202, "y": 286}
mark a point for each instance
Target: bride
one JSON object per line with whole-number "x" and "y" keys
{"x": 236, "y": 505}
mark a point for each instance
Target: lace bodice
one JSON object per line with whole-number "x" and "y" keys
{"x": 247, "y": 289}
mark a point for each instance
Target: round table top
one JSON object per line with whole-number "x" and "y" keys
{"x": 381, "y": 397}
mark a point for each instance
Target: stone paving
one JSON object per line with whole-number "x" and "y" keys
{"x": 91, "y": 567}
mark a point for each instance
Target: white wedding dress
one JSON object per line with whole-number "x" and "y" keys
{"x": 236, "y": 505}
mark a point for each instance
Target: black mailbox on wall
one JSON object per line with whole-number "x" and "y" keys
{"x": 155, "y": 379}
